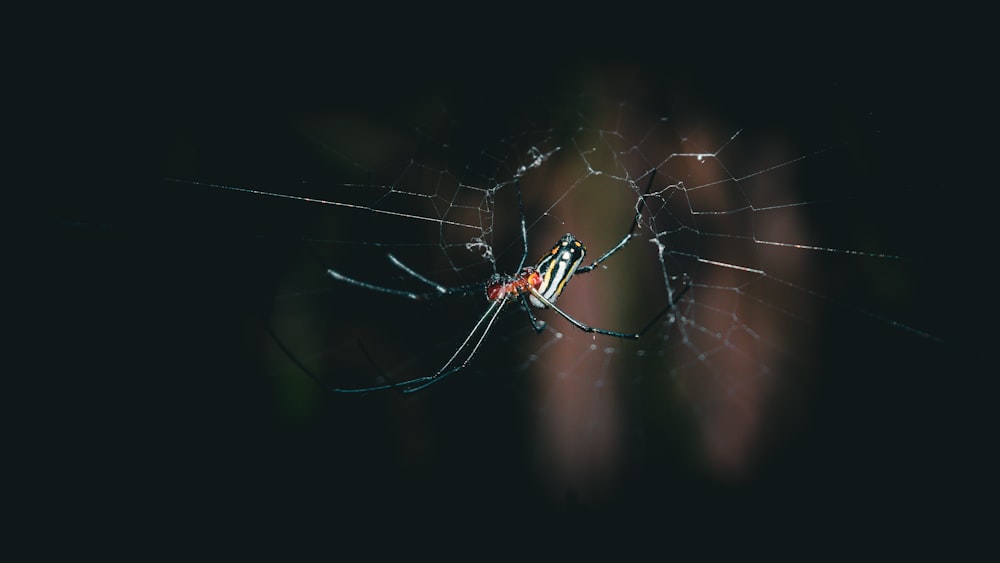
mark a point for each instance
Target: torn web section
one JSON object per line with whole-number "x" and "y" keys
{"x": 738, "y": 338}
{"x": 718, "y": 354}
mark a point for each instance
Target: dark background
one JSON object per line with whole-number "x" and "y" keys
{"x": 148, "y": 419}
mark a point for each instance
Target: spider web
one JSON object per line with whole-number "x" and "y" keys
{"x": 779, "y": 233}
{"x": 824, "y": 377}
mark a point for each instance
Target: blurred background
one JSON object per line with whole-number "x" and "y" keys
{"x": 171, "y": 407}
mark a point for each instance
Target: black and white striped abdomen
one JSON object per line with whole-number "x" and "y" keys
{"x": 557, "y": 267}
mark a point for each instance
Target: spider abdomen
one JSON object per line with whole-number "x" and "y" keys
{"x": 556, "y": 267}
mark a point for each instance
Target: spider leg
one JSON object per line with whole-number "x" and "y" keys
{"x": 481, "y": 329}
{"x": 288, "y": 353}
{"x": 578, "y": 324}
{"x": 437, "y": 287}
{"x": 628, "y": 236}
{"x": 442, "y": 290}
{"x": 489, "y": 317}
{"x": 592, "y": 330}
{"x": 439, "y": 290}
{"x": 536, "y": 324}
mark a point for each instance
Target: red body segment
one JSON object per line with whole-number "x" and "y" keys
{"x": 510, "y": 287}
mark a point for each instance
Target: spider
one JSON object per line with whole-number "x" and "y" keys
{"x": 539, "y": 285}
